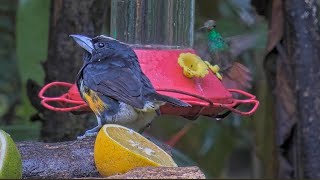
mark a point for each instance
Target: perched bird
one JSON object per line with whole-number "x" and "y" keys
{"x": 212, "y": 47}
{"x": 113, "y": 85}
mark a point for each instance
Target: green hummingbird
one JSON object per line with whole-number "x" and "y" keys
{"x": 212, "y": 47}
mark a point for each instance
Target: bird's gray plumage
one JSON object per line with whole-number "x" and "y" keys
{"x": 111, "y": 69}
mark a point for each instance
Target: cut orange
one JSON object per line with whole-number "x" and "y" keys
{"x": 118, "y": 149}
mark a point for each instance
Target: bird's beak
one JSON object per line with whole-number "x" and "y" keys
{"x": 203, "y": 27}
{"x": 84, "y": 42}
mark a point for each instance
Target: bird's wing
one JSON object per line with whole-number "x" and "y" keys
{"x": 240, "y": 43}
{"x": 116, "y": 78}
{"x": 200, "y": 45}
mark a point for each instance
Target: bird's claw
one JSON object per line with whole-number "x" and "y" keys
{"x": 89, "y": 133}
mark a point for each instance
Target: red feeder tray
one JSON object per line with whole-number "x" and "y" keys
{"x": 207, "y": 95}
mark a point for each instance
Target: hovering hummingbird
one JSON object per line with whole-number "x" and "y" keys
{"x": 212, "y": 47}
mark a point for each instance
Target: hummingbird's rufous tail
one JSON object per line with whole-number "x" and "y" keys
{"x": 237, "y": 77}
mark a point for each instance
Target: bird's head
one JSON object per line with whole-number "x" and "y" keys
{"x": 209, "y": 25}
{"x": 101, "y": 46}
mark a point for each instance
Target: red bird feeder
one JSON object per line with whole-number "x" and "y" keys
{"x": 207, "y": 96}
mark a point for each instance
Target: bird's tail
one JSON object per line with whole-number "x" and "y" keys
{"x": 171, "y": 100}
{"x": 237, "y": 77}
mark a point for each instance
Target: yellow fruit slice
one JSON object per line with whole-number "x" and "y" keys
{"x": 10, "y": 158}
{"x": 118, "y": 149}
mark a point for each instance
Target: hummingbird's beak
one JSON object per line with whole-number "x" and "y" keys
{"x": 83, "y": 41}
{"x": 203, "y": 27}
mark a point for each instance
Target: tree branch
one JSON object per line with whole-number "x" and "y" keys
{"x": 74, "y": 159}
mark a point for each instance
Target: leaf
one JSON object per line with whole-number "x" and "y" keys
{"x": 32, "y": 37}
{"x": 32, "y": 40}
{"x": 10, "y": 83}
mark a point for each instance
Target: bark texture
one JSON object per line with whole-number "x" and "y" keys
{"x": 292, "y": 66}
{"x": 74, "y": 159}
{"x": 302, "y": 41}
{"x": 68, "y": 159}
{"x": 162, "y": 173}
{"x": 64, "y": 61}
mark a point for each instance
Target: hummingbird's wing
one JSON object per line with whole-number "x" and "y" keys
{"x": 237, "y": 75}
{"x": 200, "y": 46}
{"x": 240, "y": 43}
{"x": 118, "y": 79}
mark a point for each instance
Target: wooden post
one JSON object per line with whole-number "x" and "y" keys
{"x": 153, "y": 22}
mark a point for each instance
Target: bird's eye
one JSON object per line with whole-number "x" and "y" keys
{"x": 100, "y": 45}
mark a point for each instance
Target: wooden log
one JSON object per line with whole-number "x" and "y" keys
{"x": 162, "y": 173}
{"x": 74, "y": 159}
{"x": 192, "y": 172}
{"x": 69, "y": 159}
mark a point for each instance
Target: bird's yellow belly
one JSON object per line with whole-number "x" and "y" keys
{"x": 94, "y": 102}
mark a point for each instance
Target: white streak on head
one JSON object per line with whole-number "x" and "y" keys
{"x": 112, "y": 39}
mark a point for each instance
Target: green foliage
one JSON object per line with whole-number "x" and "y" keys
{"x": 22, "y": 132}
{"x": 9, "y": 74}
{"x": 32, "y": 44}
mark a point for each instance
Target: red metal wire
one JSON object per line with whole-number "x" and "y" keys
{"x": 251, "y": 100}
{"x": 80, "y": 105}
{"x": 186, "y": 93}
{"x": 46, "y": 87}
{"x": 61, "y": 99}
{"x": 243, "y": 93}
{"x": 173, "y": 140}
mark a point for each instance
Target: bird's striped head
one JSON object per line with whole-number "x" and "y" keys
{"x": 102, "y": 46}
{"x": 209, "y": 25}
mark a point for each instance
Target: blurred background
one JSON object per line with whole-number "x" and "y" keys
{"x": 35, "y": 50}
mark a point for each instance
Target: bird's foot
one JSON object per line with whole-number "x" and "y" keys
{"x": 144, "y": 128}
{"x": 90, "y": 133}
{"x": 87, "y": 135}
